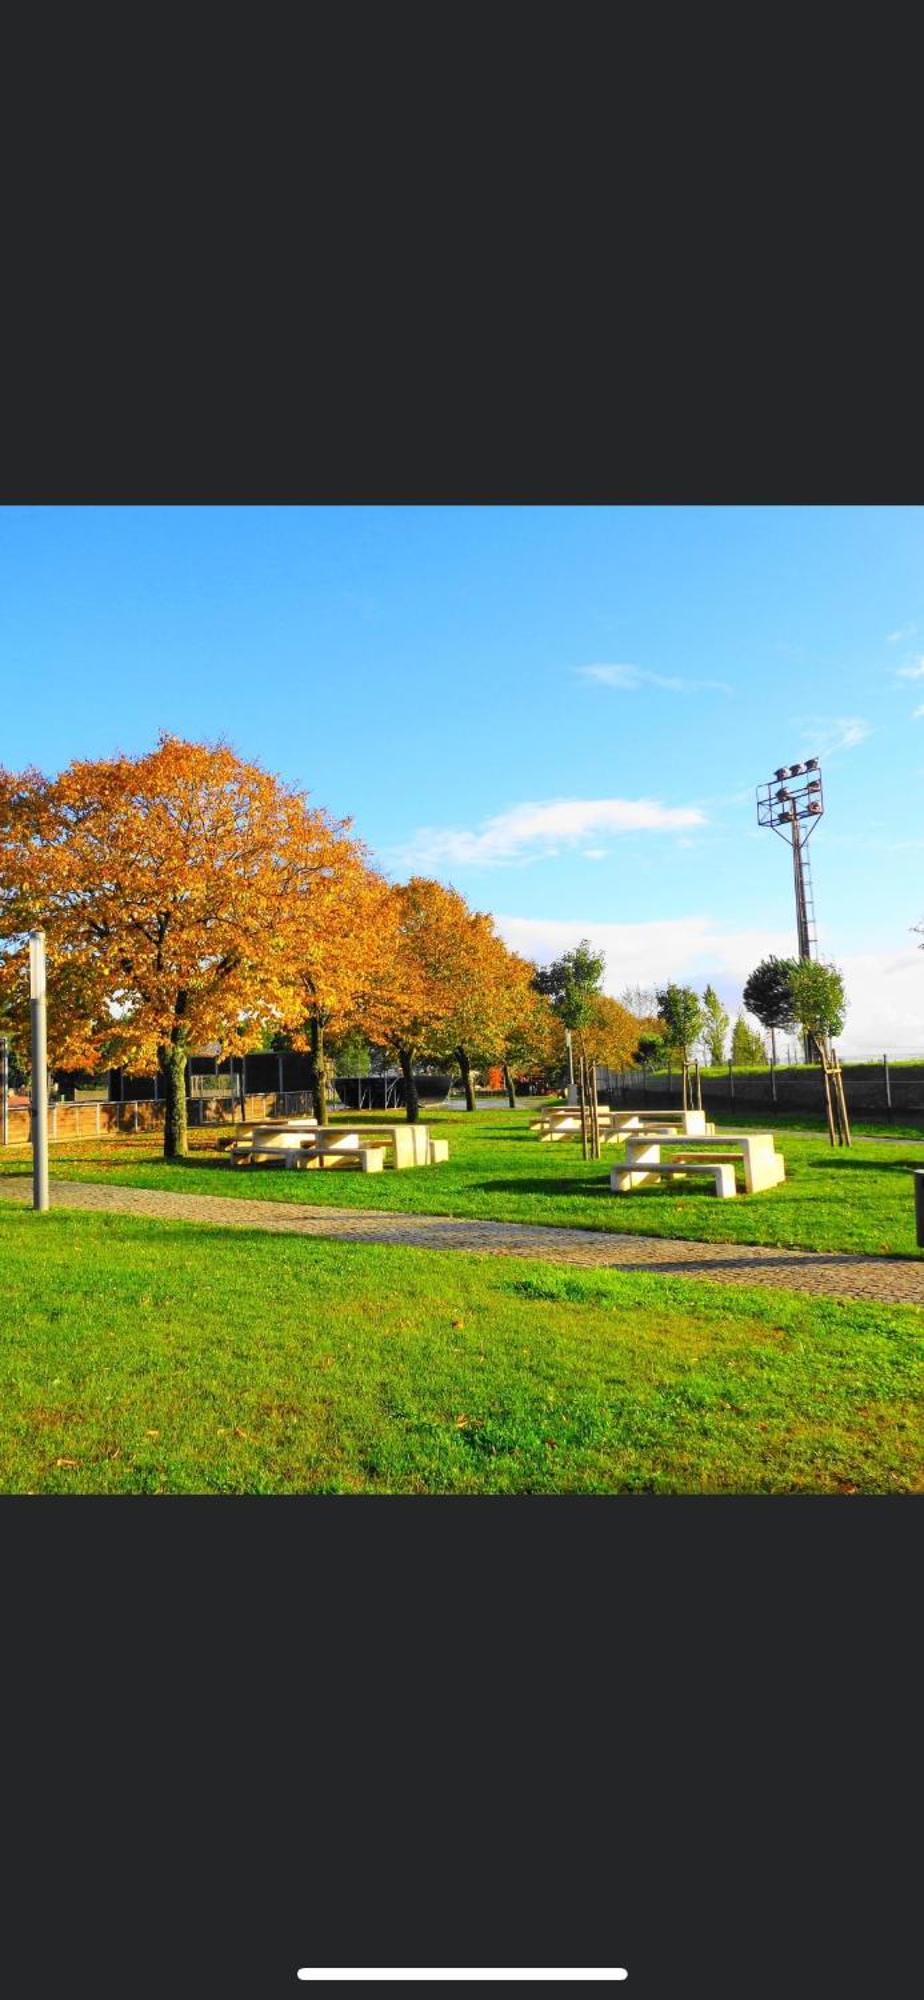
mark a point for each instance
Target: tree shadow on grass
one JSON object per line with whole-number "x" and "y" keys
{"x": 589, "y": 1190}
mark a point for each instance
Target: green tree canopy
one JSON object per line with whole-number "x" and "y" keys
{"x": 681, "y": 1011}
{"x": 747, "y": 1049}
{"x": 818, "y": 998}
{"x": 768, "y": 993}
{"x": 351, "y": 1053}
{"x": 572, "y": 984}
{"x": 715, "y": 1026}
{"x": 651, "y": 1052}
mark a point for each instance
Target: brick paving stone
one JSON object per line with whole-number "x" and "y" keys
{"x": 833, "y": 1274}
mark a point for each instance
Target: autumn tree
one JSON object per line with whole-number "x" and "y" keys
{"x": 175, "y": 889}
{"x": 410, "y": 1006}
{"x": 344, "y": 944}
{"x": 532, "y": 1040}
{"x": 491, "y": 1011}
{"x": 611, "y": 1033}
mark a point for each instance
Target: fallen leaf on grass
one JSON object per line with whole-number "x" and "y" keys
{"x": 67, "y": 1461}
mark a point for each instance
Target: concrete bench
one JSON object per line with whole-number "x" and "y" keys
{"x": 287, "y": 1156}
{"x": 720, "y": 1172}
{"x": 369, "y": 1159}
{"x": 439, "y": 1150}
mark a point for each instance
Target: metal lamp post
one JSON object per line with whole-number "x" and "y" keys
{"x": 570, "y": 1061}
{"x": 37, "y": 1009}
{"x": 4, "y": 1090}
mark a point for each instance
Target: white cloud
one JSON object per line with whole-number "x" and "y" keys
{"x": 904, "y": 632}
{"x": 646, "y": 954}
{"x": 831, "y": 735}
{"x": 526, "y": 831}
{"x": 915, "y": 673}
{"x": 916, "y": 712}
{"x": 596, "y": 853}
{"x": 885, "y": 990}
{"x": 628, "y": 678}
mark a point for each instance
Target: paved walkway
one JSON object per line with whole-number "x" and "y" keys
{"x": 836, "y": 1273}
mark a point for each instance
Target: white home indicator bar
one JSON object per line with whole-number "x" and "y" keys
{"x": 470, "y": 1972}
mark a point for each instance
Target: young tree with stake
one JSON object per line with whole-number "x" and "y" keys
{"x": 680, "y": 1011}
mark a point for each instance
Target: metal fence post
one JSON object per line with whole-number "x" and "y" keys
{"x": 772, "y": 1081}
{"x": 888, "y": 1082}
{"x": 919, "y": 1205}
{"x": 4, "y": 1090}
{"x": 731, "y": 1083}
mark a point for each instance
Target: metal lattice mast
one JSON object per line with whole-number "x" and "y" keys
{"x": 792, "y": 810}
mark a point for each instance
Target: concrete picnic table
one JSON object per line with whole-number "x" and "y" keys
{"x": 409, "y": 1143}
{"x": 303, "y": 1143}
{"x": 763, "y": 1165}
{"x": 564, "y": 1121}
{"x": 691, "y": 1123}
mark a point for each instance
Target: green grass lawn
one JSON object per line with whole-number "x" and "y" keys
{"x": 856, "y": 1199}
{"x": 158, "y": 1357}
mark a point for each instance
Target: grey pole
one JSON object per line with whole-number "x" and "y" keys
{"x": 37, "y": 1008}
{"x": 4, "y": 1090}
{"x": 919, "y": 1204}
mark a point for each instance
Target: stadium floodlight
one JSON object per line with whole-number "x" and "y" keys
{"x": 791, "y": 810}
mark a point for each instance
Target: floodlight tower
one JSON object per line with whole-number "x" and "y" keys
{"x": 792, "y": 803}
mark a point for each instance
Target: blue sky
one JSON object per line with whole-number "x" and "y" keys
{"x": 564, "y": 711}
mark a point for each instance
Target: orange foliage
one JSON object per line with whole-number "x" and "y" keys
{"x": 611, "y": 1035}
{"x": 452, "y": 987}
{"x": 414, "y": 995}
{"x": 183, "y": 893}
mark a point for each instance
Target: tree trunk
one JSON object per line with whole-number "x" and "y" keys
{"x": 773, "y": 1044}
{"x": 411, "y": 1098}
{"x": 465, "y": 1066}
{"x": 171, "y": 1058}
{"x": 508, "y": 1086}
{"x": 318, "y": 1084}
